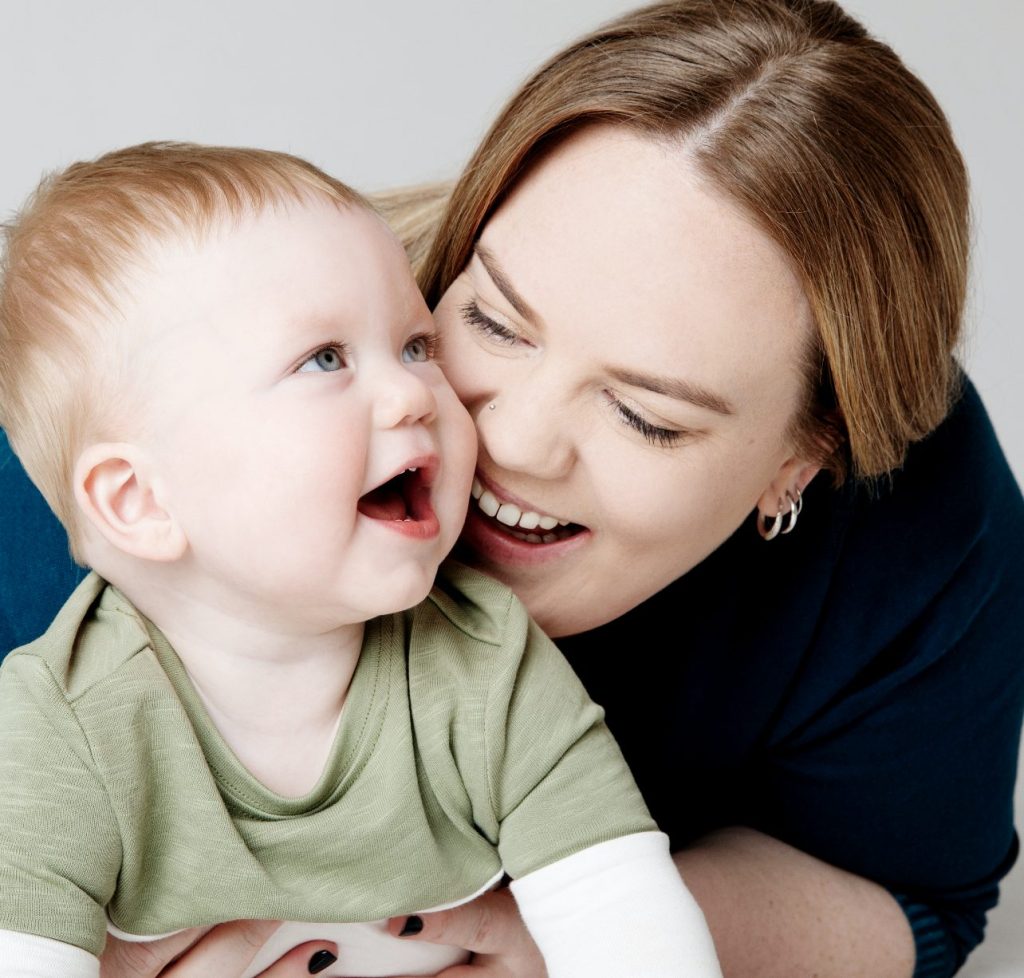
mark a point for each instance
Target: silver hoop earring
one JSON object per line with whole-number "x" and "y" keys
{"x": 769, "y": 532}
{"x": 795, "y": 505}
{"x": 771, "y": 528}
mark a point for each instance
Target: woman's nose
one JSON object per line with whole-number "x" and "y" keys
{"x": 403, "y": 397}
{"x": 524, "y": 428}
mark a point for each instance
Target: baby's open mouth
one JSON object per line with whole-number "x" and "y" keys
{"x": 528, "y": 526}
{"x": 403, "y": 498}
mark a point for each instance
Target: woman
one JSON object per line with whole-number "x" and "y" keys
{"x": 701, "y": 285}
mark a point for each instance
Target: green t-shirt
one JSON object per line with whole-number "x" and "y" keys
{"x": 466, "y": 747}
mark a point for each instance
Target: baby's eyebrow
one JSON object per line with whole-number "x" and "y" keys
{"x": 504, "y": 286}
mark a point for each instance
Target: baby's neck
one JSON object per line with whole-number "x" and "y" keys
{"x": 273, "y": 691}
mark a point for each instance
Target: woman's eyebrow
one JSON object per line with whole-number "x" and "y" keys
{"x": 682, "y": 390}
{"x": 504, "y": 286}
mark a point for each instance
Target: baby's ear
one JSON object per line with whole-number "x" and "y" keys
{"x": 115, "y": 489}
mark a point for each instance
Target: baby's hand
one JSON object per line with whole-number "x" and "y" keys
{"x": 225, "y": 951}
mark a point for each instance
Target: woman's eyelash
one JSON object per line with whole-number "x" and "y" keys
{"x": 472, "y": 314}
{"x": 664, "y": 437}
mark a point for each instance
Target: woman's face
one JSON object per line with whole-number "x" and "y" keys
{"x": 630, "y": 347}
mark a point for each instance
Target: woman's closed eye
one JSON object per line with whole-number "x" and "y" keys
{"x": 487, "y": 327}
{"x": 329, "y": 358}
{"x": 655, "y": 434}
{"x": 497, "y": 332}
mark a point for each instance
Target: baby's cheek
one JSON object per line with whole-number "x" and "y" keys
{"x": 458, "y": 433}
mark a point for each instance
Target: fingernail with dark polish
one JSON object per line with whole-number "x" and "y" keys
{"x": 413, "y": 925}
{"x": 321, "y": 960}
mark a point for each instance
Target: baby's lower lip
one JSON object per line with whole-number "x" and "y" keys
{"x": 425, "y": 528}
{"x": 403, "y": 506}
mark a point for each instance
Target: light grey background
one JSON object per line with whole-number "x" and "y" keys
{"x": 400, "y": 90}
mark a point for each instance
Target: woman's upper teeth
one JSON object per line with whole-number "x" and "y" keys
{"x": 510, "y": 514}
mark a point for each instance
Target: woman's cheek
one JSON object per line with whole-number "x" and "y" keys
{"x": 673, "y": 501}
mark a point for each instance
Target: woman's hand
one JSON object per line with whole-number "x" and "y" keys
{"x": 491, "y": 928}
{"x": 225, "y": 951}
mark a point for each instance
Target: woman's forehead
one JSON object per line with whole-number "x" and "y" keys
{"x": 615, "y": 227}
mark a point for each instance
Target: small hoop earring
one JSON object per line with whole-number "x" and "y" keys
{"x": 769, "y": 532}
{"x": 795, "y": 505}
{"x": 771, "y": 528}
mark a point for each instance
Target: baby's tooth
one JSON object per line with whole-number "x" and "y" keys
{"x": 488, "y": 502}
{"x": 549, "y": 537}
{"x": 478, "y": 490}
{"x": 563, "y": 522}
{"x": 509, "y": 514}
{"x": 529, "y": 520}
{"x": 548, "y": 523}
{"x": 532, "y": 538}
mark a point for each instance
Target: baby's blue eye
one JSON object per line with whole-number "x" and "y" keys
{"x": 328, "y": 359}
{"x": 418, "y": 350}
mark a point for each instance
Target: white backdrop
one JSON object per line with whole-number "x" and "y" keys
{"x": 398, "y": 91}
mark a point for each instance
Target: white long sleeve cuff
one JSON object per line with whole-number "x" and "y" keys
{"x": 29, "y": 956}
{"x": 615, "y": 910}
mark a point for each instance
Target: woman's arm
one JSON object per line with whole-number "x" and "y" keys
{"x": 772, "y": 910}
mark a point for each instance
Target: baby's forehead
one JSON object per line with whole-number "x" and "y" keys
{"x": 259, "y": 277}
{"x": 230, "y": 241}
{"x": 183, "y": 262}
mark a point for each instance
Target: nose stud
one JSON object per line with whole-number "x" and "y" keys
{"x": 491, "y": 406}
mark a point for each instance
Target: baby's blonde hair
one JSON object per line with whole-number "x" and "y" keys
{"x": 67, "y": 262}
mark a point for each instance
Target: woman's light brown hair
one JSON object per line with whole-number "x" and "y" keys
{"x": 68, "y": 260}
{"x": 822, "y": 135}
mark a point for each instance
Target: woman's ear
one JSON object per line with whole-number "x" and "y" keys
{"x": 114, "y": 488}
{"x": 792, "y": 478}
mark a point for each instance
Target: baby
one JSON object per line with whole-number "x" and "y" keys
{"x": 217, "y": 368}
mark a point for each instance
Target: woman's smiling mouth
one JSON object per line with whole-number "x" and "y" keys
{"x": 526, "y": 525}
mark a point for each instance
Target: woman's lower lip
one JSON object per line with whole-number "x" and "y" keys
{"x": 495, "y": 546}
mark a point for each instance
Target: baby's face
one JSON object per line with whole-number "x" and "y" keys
{"x": 305, "y": 439}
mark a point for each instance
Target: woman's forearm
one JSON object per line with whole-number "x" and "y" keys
{"x": 774, "y": 910}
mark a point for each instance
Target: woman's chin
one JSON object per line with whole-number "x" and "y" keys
{"x": 546, "y": 577}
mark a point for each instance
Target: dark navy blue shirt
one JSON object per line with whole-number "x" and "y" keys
{"x": 854, "y": 689}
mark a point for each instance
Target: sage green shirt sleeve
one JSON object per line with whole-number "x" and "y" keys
{"x": 503, "y": 721}
{"x": 60, "y": 851}
{"x": 557, "y": 778}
